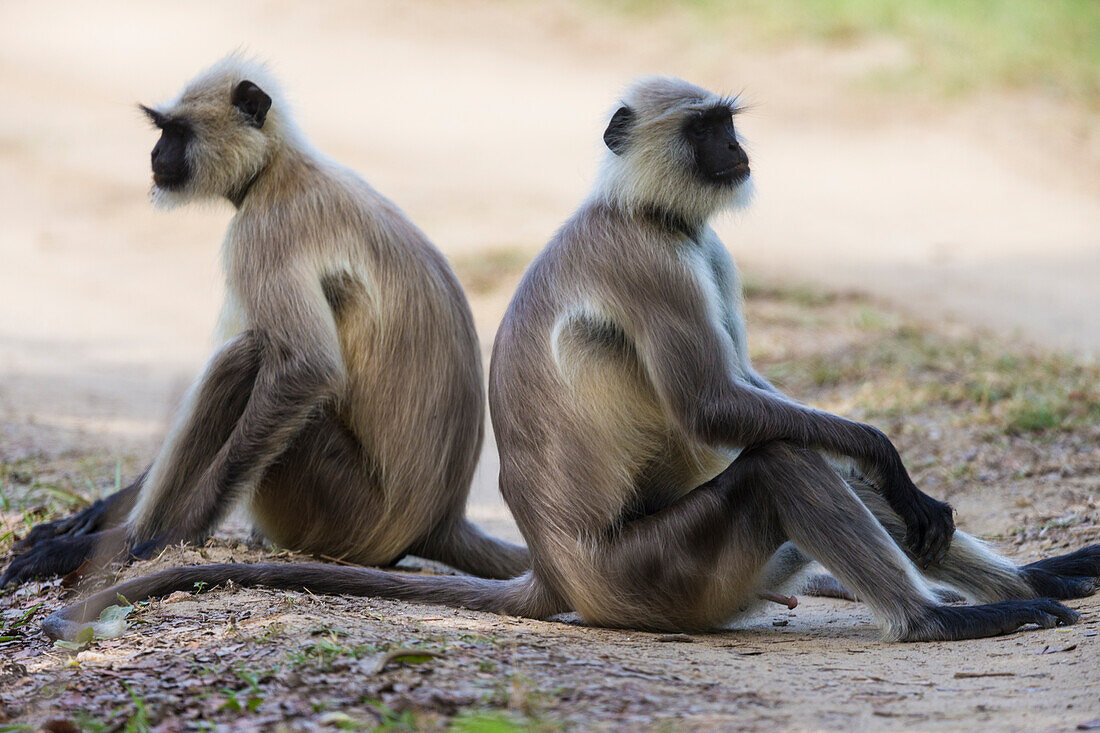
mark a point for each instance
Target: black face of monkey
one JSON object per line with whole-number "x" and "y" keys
{"x": 171, "y": 170}
{"x": 719, "y": 158}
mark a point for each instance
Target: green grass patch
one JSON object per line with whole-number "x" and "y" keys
{"x": 486, "y": 721}
{"x": 325, "y": 651}
{"x": 898, "y": 370}
{"x": 958, "y": 45}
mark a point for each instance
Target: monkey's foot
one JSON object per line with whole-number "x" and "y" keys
{"x": 1075, "y": 575}
{"x": 947, "y": 623}
{"x": 63, "y": 555}
{"x": 826, "y": 586}
{"x": 87, "y": 521}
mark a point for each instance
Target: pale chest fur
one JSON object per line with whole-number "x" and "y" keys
{"x": 714, "y": 270}
{"x": 232, "y": 318}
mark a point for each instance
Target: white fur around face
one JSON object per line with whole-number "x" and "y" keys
{"x": 656, "y": 167}
{"x": 225, "y": 152}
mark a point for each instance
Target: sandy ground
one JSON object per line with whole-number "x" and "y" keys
{"x": 482, "y": 120}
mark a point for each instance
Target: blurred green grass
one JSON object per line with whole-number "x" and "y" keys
{"x": 957, "y": 46}
{"x": 896, "y": 368}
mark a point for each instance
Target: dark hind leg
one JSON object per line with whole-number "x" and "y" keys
{"x": 871, "y": 572}
{"x": 974, "y": 569}
{"x": 1075, "y": 575}
{"x": 463, "y": 546}
{"x": 706, "y": 552}
{"x": 85, "y": 541}
{"x": 220, "y": 399}
{"x": 323, "y": 496}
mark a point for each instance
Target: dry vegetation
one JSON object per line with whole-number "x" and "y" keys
{"x": 1010, "y": 437}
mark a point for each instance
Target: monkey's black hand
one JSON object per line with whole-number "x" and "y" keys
{"x": 55, "y": 556}
{"x": 101, "y": 514}
{"x": 929, "y": 526}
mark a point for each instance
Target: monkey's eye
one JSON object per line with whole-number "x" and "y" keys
{"x": 698, "y": 129}
{"x": 177, "y": 129}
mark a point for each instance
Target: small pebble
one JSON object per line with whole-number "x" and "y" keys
{"x": 180, "y": 595}
{"x": 675, "y": 637}
{"x": 780, "y": 622}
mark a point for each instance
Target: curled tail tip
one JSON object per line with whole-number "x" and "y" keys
{"x": 59, "y": 627}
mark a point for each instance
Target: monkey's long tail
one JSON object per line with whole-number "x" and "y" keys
{"x": 465, "y": 547}
{"x": 522, "y": 596}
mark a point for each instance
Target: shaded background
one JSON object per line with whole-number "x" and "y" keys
{"x": 944, "y": 157}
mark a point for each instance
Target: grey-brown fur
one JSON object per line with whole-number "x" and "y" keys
{"x": 659, "y": 481}
{"x": 345, "y": 403}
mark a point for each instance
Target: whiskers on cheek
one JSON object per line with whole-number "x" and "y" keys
{"x": 163, "y": 198}
{"x": 741, "y": 194}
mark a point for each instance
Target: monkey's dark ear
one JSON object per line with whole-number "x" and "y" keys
{"x": 253, "y": 103}
{"x": 155, "y": 117}
{"x": 617, "y": 133}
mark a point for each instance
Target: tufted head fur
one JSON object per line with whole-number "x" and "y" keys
{"x": 219, "y": 132}
{"x": 651, "y": 162}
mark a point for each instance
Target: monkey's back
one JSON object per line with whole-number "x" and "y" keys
{"x": 413, "y": 397}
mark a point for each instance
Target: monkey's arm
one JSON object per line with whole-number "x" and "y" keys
{"x": 274, "y": 377}
{"x": 757, "y": 380}
{"x": 687, "y": 356}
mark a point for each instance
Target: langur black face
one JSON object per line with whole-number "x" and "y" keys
{"x": 171, "y": 170}
{"x": 221, "y": 138}
{"x": 719, "y": 158}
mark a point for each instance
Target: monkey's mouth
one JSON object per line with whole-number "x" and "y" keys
{"x": 169, "y": 181}
{"x": 734, "y": 174}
